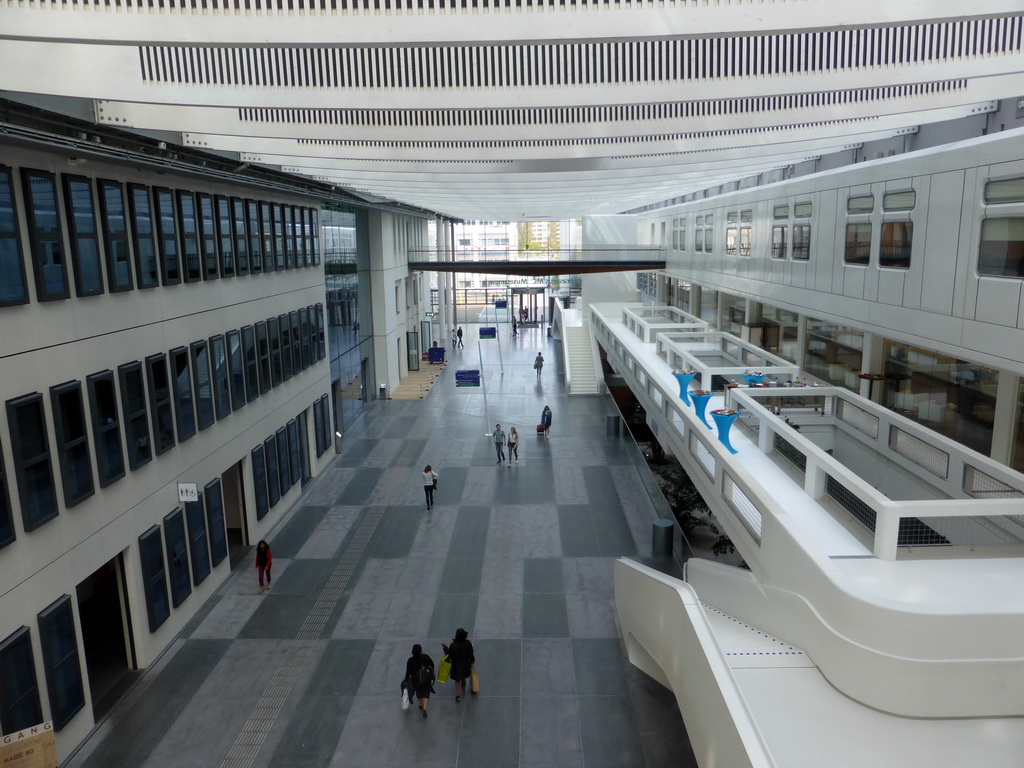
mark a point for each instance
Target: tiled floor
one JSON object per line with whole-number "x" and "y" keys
{"x": 521, "y": 556}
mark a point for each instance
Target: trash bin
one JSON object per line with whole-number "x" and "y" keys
{"x": 661, "y": 539}
{"x": 549, "y": 331}
{"x": 611, "y": 424}
{"x": 382, "y": 393}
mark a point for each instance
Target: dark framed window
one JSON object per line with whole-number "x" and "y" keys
{"x": 314, "y": 229}
{"x": 303, "y": 451}
{"x": 181, "y": 389}
{"x": 293, "y": 321}
{"x": 251, "y": 363}
{"x": 198, "y": 547}
{"x": 241, "y": 236}
{"x": 252, "y": 223}
{"x": 19, "y": 692}
{"x": 731, "y": 240}
{"x": 274, "y": 330}
{"x": 226, "y": 237}
{"x": 286, "y": 346}
{"x": 321, "y": 341}
{"x": 12, "y": 267}
{"x": 746, "y": 240}
{"x": 106, "y": 427}
{"x": 154, "y": 579}
{"x": 116, "y": 242}
{"x": 63, "y": 670}
{"x": 302, "y": 237}
{"x": 801, "y": 242}
{"x": 259, "y": 482}
{"x": 897, "y": 242}
{"x": 72, "y": 442}
{"x": 7, "y": 534}
{"x": 280, "y": 254}
{"x": 221, "y": 380}
{"x": 143, "y": 236}
{"x": 267, "y": 233}
{"x": 30, "y": 446}
{"x": 1001, "y": 252}
{"x": 779, "y": 241}
{"x": 192, "y": 265}
{"x": 203, "y": 384}
{"x": 290, "y": 245}
{"x": 133, "y": 406}
{"x": 215, "y": 521}
{"x": 236, "y": 370}
{"x": 284, "y": 464}
{"x": 858, "y": 244}
{"x": 44, "y": 234}
{"x": 177, "y": 557}
{"x": 318, "y": 427}
{"x": 167, "y": 236}
{"x": 328, "y": 424}
{"x": 294, "y": 459}
{"x": 208, "y": 237}
{"x": 305, "y": 333}
{"x": 160, "y": 402}
{"x": 263, "y": 351}
{"x": 273, "y": 474}
{"x": 83, "y": 235}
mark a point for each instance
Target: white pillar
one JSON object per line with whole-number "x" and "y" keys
{"x": 1003, "y": 427}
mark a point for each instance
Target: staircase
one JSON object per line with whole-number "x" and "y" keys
{"x": 580, "y": 364}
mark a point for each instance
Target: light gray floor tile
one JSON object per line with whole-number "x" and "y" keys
{"x": 499, "y": 615}
{"x": 591, "y": 616}
{"x": 233, "y": 612}
{"x": 550, "y": 735}
{"x": 328, "y": 535}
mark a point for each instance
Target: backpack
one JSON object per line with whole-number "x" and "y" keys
{"x": 426, "y": 674}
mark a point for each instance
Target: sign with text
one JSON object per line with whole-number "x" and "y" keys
{"x": 188, "y": 492}
{"x": 470, "y": 378}
{"x": 488, "y": 333}
{"x": 33, "y": 747}
{"x": 500, "y": 304}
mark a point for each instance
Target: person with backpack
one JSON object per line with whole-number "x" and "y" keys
{"x": 460, "y": 654}
{"x": 419, "y": 676}
{"x": 545, "y": 420}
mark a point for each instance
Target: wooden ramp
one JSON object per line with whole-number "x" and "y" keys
{"x": 418, "y": 383}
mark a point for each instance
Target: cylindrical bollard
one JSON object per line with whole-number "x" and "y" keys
{"x": 611, "y": 424}
{"x": 661, "y": 539}
{"x": 382, "y": 392}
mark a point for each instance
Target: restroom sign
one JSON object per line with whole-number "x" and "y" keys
{"x": 188, "y": 492}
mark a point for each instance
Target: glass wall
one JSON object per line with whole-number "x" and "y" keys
{"x": 708, "y": 307}
{"x": 1017, "y": 449}
{"x": 349, "y": 321}
{"x": 782, "y": 341}
{"x": 834, "y": 353}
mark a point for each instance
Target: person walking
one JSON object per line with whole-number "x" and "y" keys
{"x": 455, "y": 340}
{"x": 429, "y": 485}
{"x": 264, "y": 560}
{"x": 545, "y": 420}
{"x": 458, "y": 334}
{"x": 538, "y": 364}
{"x": 499, "y": 442}
{"x": 515, "y": 327}
{"x": 419, "y": 677}
{"x": 513, "y": 445}
{"x": 460, "y": 654}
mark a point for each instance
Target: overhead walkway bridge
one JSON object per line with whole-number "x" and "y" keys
{"x": 539, "y": 263}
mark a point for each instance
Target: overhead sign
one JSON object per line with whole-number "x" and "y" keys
{"x": 429, "y": 314}
{"x": 501, "y": 304}
{"x": 33, "y": 747}
{"x": 188, "y": 492}
{"x": 470, "y": 378}
{"x": 488, "y": 333}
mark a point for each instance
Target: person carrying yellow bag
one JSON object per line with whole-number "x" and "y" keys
{"x": 444, "y": 669}
{"x": 460, "y": 652}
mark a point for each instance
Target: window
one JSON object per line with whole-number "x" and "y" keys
{"x": 19, "y": 693}
{"x": 709, "y": 239}
{"x": 143, "y": 236}
{"x": 305, "y": 333}
{"x": 177, "y": 557}
{"x": 899, "y": 201}
{"x": 201, "y": 381}
{"x": 293, "y": 322}
{"x": 746, "y": 236}
{"x": 263, "y": 350}
{"x": 133, "y": 404}
{"x": 167, "y": 236}
{"x": 221, "y": 385}
{"x": 154, "y": 581}
{"x": 803, "y": 210}
{"x": 275, "y": 350}
{"x": 252, "y": 224}
{"x": 106, "y": 427}
{"x": 801, "y": 242}
{"x": 1001, "y": 253}
{"x": 236, "y": 371}
{"x": 193, "y": 265}
{"x": 273, "y": 476}
{"x": 259, "y": 482}
{"x": 181, "y": 389}
{"x": 208, "y": 238}
{"x": 302, "y": 236}
{"x": 294, "y": 459}
{"x": 83, "y": 236}
{"x": 303, "y": 447}
{"x": 267, "y": 232}
{"x": 12, "y": 269}
{"x": 30, "y": 447}
{"x": 314, "y": 227}
{"x": 45, "y": 238}
{"x": 732, "y": 216}
{"x": 115, "y": 236}
{"x": 241, "y": 236}
{"x": 325, "y": 403}
{"x": 283, "y": 460}
{"x": 289, "y": 236}
{"x": 320, "y": 332}
{"x": 160, "y": 402}
{"x": 279, "y": 237}
{"x": 199, "y": 553}
{"x": 72, "y": 442}
{"x": 897, "y": 238}
{"x": 318, "y": 428}
{"x": 286, "y": 346}
{"x": 251, "y": 363}
{"x": 60, "y": 661}
{"x": 858, "y": 244}
{"x": 779, "y": 242}
{"x": 860, "y": 204}
{"x": 226, "y": 235}
{"x": 7, "y": 534}
{"x": 1005, "y": 191}
{"x": 780, "y": 212}
{"x": 731, "y": 237}
{"x": 215, "y": 522}
{"x": 698, "y": 237}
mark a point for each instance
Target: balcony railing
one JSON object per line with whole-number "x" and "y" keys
{"x": 618, "y": 254}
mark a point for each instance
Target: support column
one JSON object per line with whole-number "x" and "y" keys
{"x": 801, "y": 341}
{"x": 442, "y": 308}
{"x": 871, "y": 362}
{"x": 1005, "y": 416}
{"x": 694, "y": 308}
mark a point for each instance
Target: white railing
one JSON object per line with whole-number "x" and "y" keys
{"x": 646, "y": 322}
{"x": 690, "y": 350}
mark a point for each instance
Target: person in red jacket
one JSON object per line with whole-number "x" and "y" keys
{"x": 264, "y": 559}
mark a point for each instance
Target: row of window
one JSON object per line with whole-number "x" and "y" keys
{"x": 124, "y": 237}
{"x": 175, "y": 394}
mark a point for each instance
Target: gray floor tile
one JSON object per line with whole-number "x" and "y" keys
{"x": 543, "y": 575}
{"x": 609, "y": 732}
{"x": 452, "y": 611}
{"x": 548, "y": 667}
{"x": 461, "y": 574}
{"x": 500, "y": 666}
{"x": 598, "y": 667}
{"x": 550, "y": 733}
{"x": 499, "y": 615}
{"x": 545, "y": 616}
{"x": 396, "y": 532}
{"x": 591, "y": 616}
{"x": 490, "y": 732}
{"x": 287, "y": 542}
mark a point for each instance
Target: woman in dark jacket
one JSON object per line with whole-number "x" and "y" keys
{"x": 416, "y": 679}
{"x": 264, "y": 562}
{"x": 460, "y": 654}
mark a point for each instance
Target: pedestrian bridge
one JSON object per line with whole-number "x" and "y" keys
{"x": 539, "y": 263}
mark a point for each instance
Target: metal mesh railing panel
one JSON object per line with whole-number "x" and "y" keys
{"x": 744, "y": 508}
{"x": 702, "y": 454}
{"x": 981, "y": 485}
{"x": 924, "y": 454}
{"x": 790, "y": 452}
{"x": 857, "y": 418}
